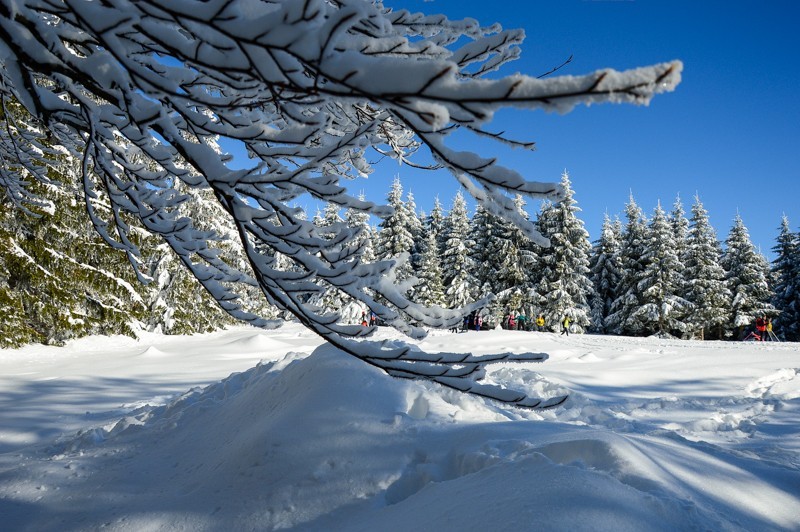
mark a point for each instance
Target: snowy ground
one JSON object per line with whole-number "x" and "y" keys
{"x": 153, "y": 434}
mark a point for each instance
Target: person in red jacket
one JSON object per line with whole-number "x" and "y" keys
{"x": 761, "y": 326}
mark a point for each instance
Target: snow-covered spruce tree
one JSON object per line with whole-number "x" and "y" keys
{"x": 746, "y": 273}
{"x": 680, "y": 233}
{"x": 482, "y": 266}
{"x": 177, "y": 302}
{"x": 416, "y": 231}
{"x": 57, "y": 278}
{"x": 395, "y": 241}
{"x": 529, "y": 262}
{"x": 430, "y": 290}
{"x": 364, "y": 236}
{"x": 635, "y": 239}
{"x": 307, "y": 88}
{"x": 507, "y": 274}
{"x": 564, "y": 287}
{"x": 662, "y": 311}
{"x": 331, "y": 300}
{"x": 705, "y": 285}
{"x": 786, "y": 271}
{"x": 605, "y": 273}
{"x": 435, "y": 225}
{"x": 456, "y": 268}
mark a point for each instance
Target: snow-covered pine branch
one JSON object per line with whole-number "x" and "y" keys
{"x": 307, "y": 88}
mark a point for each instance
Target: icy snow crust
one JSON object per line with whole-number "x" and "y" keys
{"x": 657, "y": 435}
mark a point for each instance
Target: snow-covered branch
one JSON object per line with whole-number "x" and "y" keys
{"x": 307, "y": 88}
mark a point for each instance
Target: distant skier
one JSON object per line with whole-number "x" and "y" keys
{"x": 565, "y": 325}
{"x": 540, "y": 322}
{"x": 761, "y": 327}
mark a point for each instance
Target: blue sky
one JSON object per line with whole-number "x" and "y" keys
{"x": 729, "y": 133}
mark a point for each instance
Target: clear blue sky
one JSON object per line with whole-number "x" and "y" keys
{"x": 730, "y": 132}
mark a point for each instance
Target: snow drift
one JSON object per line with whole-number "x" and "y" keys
{"x": 325, "y": 442}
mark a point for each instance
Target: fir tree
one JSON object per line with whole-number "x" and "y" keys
{"x": 458, "y": 282}
{"x": 415, "y": 229}
{"x": 706, "y": 288}
{"x": 359, "y": 221}
{"x": 564, "y": 287}
{"x": 430, "y": 290}
{"x": 786, "y": 271}
{"x": 507, "y": 277}
{"x": 662, "y": 310}
{"x": 680, "y": 233}
{"x": 482, "y": 262}
{"x": 680, "y": 227}
{"x": 606, "y": 273}
{"x": 435, "y": 224}
{"x": 365, "y": 236}
{"x": 632, "y": 251}
{"x": 331, "y": 299}
{"x": 395, "y": 240}
{"x": 59, "y": 280}
{"x": 746, "y": 273}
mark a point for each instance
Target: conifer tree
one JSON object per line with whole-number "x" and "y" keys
{"x": 58, "y": 280}
{"x": 680, "y": 227}
{"x": 564, "y": 287}
{"x": 365, "y": 237}
{"x": 747, "y": 272}
{"x": 605, "y": 273}
{"x": 662, "y": 310}
{"x": 359, "y": 220}
{"x": 435, "y": 225}
{"x": 504, "y": 270}
{"x": 458, "y": 282}
{"x": 706, "y": 287}
{"x": 482, "y": 262}
{"x": 786, "y": 271}
{"x": 680, "y": 233}
{"x": 415, "y": 229}
{"x": 633, "y": 246}
{"x": 395, "y": 240}
{"x": 330, "y": 299}
{"x": 429, "y": 290}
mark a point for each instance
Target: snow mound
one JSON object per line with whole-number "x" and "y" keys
{"x": 783, "y": 384}
{"x": 152, "y": 352}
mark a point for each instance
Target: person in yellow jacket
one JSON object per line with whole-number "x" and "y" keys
{"x": 565, "y": 325}
{"x": 540, "y": 322}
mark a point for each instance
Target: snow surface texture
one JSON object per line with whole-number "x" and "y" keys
{"x": 657, "y": 434}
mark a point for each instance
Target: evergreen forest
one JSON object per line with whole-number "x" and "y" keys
{"x": 665, "y": 273}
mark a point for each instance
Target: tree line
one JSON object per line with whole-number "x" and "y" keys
{"x": 665, "y": 274}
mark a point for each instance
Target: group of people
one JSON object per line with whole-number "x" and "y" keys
{"x": 763, "y": 329}
{"x": 514, "y": 321}
{"x": 520, "y": 322}
{"x": 474, "y": 322}
{"x": 370, "y": 321}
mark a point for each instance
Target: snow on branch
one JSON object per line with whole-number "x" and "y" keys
{"x": 141, "y": 91}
